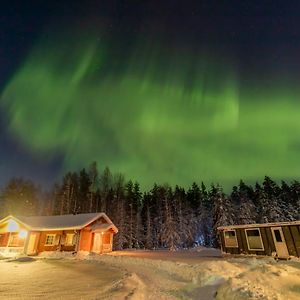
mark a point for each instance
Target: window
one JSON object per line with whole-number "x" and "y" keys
{"x": 277, "y": 236}
{"x": 50, "y": 239}
{"x": 254, "y": 240}
{"x": 230, "y": 238}
{"x": 69, "y": 239}
{"x": 15, "y": 241}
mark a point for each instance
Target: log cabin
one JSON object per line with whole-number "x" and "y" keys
{"x": 281, "y": 239}
{"x": 92, "y": 232}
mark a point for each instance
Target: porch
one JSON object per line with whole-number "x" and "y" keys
{"x": 12, "y": 243}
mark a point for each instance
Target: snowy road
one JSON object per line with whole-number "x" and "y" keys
{"x": 56, "y": 279}
{"x": 157, "y": 275}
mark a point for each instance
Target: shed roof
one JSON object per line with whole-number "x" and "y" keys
{"x": 61, "y": 222}
{"x": 275, "y": 224}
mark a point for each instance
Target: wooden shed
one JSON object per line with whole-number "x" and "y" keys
{"x": 280, "y": 239}
{"x": 91, "y": 232}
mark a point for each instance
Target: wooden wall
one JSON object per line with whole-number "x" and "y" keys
{"x": 292, "y": 238}
{"x": 291, "y": 234}
{"x": 86, "y": 236}
{"x": 4, "y": 239}
{"x": 295, "y": 233}
{"x": 57, "y": 246}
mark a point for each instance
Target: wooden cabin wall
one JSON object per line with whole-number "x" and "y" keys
{"x": 221, "y": 236}
{"x": 243, "y": 245}
{"x": 295, "y": 232}
{"x": 85, "y": 243}
{"x": 42, "y": 247}
{"x": 295, "y": 235}
{"x": 291, "y": 234}
{"x": 267, "y": 241}
{"x": 4, "y": 237}
{"x": 242, "y": 241}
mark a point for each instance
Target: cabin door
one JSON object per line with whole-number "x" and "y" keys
{"x": 97, "y": 243}
{"x": 31, "y": 244}
{"x": 279, "y": 241}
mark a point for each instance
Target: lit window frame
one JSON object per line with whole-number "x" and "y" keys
{"x": 53, "y": 241}
{"x": 236, "y": 241}
{"x": 14, "y": 241}
{"x": 261, "y": 241}
{"x": 72, "y": 240}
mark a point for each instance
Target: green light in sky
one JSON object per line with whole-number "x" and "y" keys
{"x": 158, "y": 117}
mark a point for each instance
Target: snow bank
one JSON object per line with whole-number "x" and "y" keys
{"x": 161, "y": 275}
{"x": 58, "y": 255}
{"x": 228, "y": 278}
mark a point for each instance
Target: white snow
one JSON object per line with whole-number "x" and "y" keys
{"x": 62, "y": 221}
{"x": 200, "y": 273}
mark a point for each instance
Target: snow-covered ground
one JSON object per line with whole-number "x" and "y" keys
{"x": 198, "y": 274}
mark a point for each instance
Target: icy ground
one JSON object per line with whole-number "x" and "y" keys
{"x": 137, "y": 275}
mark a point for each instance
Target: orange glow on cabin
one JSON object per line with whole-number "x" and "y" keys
{"x": 23, "y": 234}
{"x": 12, "y": 226}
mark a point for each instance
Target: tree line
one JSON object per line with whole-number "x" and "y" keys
{"x": 163, "y": 217}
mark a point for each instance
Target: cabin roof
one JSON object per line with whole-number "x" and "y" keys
{"x": 275, "y": 224}
{"x": 60, "y": 222}
{"x": 101, "y": 227}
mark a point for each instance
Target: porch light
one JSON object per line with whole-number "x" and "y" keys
{"x": 12, "y": 226}
{"x": 23, "y": 234}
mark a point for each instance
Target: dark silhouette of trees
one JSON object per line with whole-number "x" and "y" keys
{"x": 19, "y": 197}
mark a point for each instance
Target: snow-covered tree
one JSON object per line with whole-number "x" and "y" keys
{"x": 223, "y": 211}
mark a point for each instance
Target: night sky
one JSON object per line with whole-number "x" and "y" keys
{"x": 163, "y": 91}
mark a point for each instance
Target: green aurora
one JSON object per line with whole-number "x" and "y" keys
{"x": 157, "y": 114}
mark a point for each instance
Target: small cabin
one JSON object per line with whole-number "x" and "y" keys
{"x": 92, "y": 232}
{"x": 281, "y": 240}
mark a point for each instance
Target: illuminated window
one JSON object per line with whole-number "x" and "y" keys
{"x": 254, "y": 240}
{"x": 15, "y": 241}
{"x": 230, "y": 239}
{"x": 50, "y": 239}
{"x": 69, "y": 239}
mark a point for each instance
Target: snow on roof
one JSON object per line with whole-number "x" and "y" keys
{"x": 102, "y": 227}
{"x": 62, "y": 222}
{"x": 259, "y": 225}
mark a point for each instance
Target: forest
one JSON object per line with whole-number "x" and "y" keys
{"x": 162, "y": 217}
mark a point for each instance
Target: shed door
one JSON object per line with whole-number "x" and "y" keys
{"x": 279, "y": 241}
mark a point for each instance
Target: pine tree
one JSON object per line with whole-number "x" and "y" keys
{"x": 137, "y": 206}
{"x": 223, "y": 211}
{"x": 185, "y": 217}
{"x": 157, "y": 195}
{"x": 84, "y": 184}
{"x": 169, "y": 232}
{"x": 132, "y": 214}
{"x": 147, "y": 221}
{"x": 94, "y": 186}
{"x": 205, "y": 218}
{"x": 120, "y": 216}
{"x": 269, "y": 202}
{"x": 295, "y": 200}
{"x": 106, "y": 186}
{"x": 244, "y": 206}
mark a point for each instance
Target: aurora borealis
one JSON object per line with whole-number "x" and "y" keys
{"x": 153, "y": 108}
